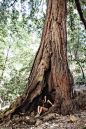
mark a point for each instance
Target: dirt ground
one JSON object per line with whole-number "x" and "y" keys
{"x": 51, "y": 121}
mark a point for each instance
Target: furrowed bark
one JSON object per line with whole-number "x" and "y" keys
{"x": 50, "y": 69}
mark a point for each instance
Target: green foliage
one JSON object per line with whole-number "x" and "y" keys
{"x": 17, "y": 66}
{"x": 76, "y": 41}
{"x": 80, "y": 81}
{"x": 78, "y": 70}
{"x": 84, "y": 127}
{"x": 84, "y": 13}
{"x": 83, "y": 6}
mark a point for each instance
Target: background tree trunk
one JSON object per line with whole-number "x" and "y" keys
{"x": 4, "y": 65}
{"x": 50, "y": 73}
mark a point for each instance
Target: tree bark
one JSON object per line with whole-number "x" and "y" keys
{"x": 50, "y": 73}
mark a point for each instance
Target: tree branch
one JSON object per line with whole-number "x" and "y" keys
{"x": 80, "y": 12}
{"x": 2, "y": 3}
{"x": 12, "y": 4}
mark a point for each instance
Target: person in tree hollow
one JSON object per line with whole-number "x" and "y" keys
{"x": 45, "y": 106}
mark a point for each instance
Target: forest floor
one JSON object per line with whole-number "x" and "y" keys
{"x": 75, "y": 121}
{"x": 49, "y": 121}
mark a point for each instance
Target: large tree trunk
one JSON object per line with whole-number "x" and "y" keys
{"x": 50, "y": 73}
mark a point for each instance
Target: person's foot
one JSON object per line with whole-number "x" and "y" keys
{"x": 37, "y": 115}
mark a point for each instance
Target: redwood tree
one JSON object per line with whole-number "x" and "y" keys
{"x": 50, "y": 73}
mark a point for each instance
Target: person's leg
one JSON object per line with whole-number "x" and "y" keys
{"x": 39, "y": 107}
{"x": 43, "y": 109}
{"x": 38, "y": 112}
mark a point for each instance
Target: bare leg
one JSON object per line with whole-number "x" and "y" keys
{"x": 42, "y": 109}
{"x": 39, "y": 109}
{"x": 38, "y": 114}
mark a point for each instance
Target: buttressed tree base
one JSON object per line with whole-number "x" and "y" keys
{"x": 50, "y": 73}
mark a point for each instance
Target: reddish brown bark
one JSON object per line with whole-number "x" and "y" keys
{"x": 50, "y": 67}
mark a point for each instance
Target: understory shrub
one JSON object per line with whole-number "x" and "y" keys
{"x": 79, "y": 80}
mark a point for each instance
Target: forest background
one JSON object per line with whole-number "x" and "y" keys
{"x": 21, "y": 25}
